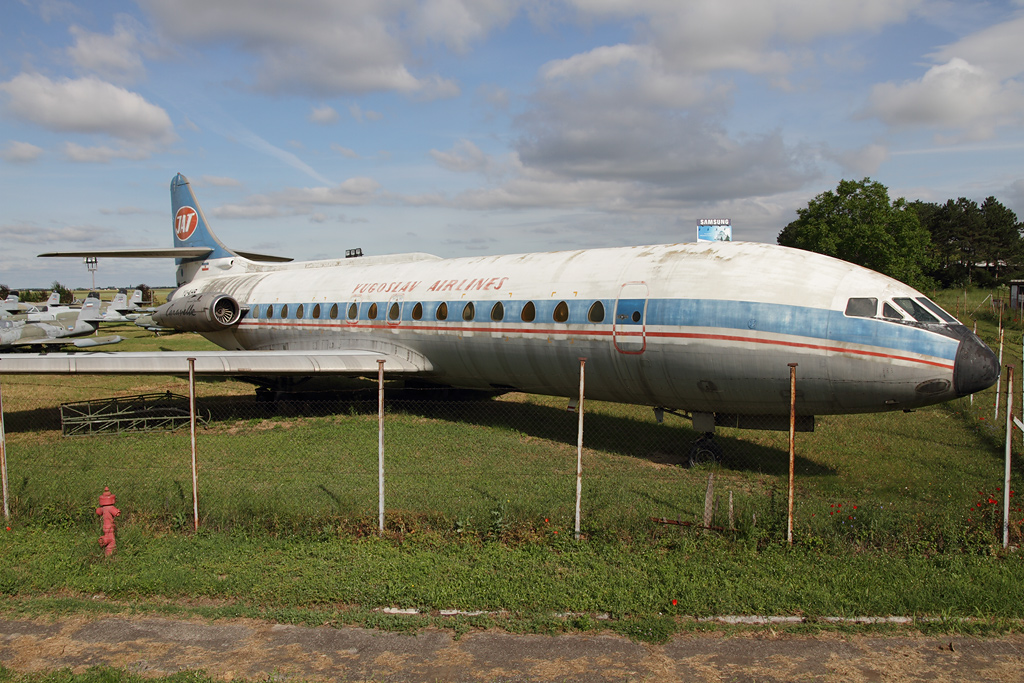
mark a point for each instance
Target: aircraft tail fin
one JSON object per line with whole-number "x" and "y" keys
{"x": 54, "y": 299}
{"x": 91, "y": 309}
{"x": 190, "y": 226}
{"x": 120, "y": 302}
{"x": 136, "y": 300}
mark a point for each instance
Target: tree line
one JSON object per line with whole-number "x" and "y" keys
{"x": 924, "y": 244}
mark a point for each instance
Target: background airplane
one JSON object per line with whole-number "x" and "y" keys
{"x": 704, "y": 328}
{"x": 59, "y": 328}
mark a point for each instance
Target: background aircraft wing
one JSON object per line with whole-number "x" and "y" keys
{"x": 79, "y": 342}
{"x": 236, "y": 363}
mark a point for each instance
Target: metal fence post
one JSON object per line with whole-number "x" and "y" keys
{"x": 3, "y": 456}
{"x": 1009, "y": 443}
{"x": 579, "y": 451}
{"x": 1000, "y": 378}
{"x": 380, "y": 445}
{"x": 192, "y": 429}
{"x": 792, "y": 448}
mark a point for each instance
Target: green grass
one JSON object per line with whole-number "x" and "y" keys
{"x": 892, "y": 512}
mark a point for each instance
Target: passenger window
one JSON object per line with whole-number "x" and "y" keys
{"x": 442, "y": 311}
{"x": 255, "y": 312}
{"x": 394, "y": 312}
{"x": 889, "y": 312}
{"x": 916, "y": 310}
{"x": 372, "y": 313}
{"x": 561, "y": 313}
{"x": 316, "y": 311}
{"x": 862, "y": 308}
{"x": 529, "y": 312}
{"x": 270, "y": 311}
{"x": 497, "y": 312}
{"x": 299, "y": 311}
{"x": 596, "y": 312}
{"x": 469, "y": 311}
{"x": 284, "y": 311}
{"x": 417, "y": 311}
{"x": 353, "y": 311}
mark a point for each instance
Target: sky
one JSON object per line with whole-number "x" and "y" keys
{"x": 474, "y": 127}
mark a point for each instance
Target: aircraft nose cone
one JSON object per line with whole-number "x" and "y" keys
{"x": 976, "y": 366}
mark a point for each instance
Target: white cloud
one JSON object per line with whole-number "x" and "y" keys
{"x": 998, "y": 49}
{"x": 20, "y": 152}
{"x": 301, "y": 201}
{"x": 464, "y": 157}
{"x": 864, "y": 161}
{"x": 324, "y": 115}
{"x": 345, "y": 151}
{"x": 310, "y": 47}
{"x": 102, "y": 154}
{"x": 459, "y": 22}
{"x": 954, "y": 95}
{"x": 220, "y": 181}
{"x": 756, "y": 36}
{"x": 86, "y": 105}
{"x": 115, "y": 57}
{"x": 359, "y": 114}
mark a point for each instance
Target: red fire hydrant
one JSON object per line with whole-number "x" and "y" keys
{"x": 108, "y": 511}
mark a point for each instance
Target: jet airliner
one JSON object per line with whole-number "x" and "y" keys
{"x": 707, "y": 329}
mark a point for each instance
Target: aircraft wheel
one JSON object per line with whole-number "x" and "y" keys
{"x": 705, "y": 450}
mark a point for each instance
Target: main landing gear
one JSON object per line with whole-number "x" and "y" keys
{"x": 705, "y": 450}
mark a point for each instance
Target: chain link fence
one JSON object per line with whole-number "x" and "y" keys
{"x": 465, "y": 464}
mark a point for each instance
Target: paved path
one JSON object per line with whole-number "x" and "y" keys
{"x": 228, "y": 649}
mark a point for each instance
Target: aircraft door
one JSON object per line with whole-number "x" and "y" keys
{"x": 629, "y": 327}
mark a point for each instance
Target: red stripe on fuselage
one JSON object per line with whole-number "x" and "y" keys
{"x": 945, "y": 365}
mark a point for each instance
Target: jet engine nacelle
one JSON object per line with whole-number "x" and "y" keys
{"x": 204, "y": 312}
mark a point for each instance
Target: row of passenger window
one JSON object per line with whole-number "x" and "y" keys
{"x": 440, "y": 311}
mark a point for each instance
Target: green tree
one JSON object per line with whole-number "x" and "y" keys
{"x": 858, "y": 223}
{"x": 1002, "y": 244}
{"x": 971, "y": 243}
{"x": 66, "y": 295}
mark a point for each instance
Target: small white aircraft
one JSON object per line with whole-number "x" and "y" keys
{"x": 57, "y": 328}
{"x": 705, "y": 328}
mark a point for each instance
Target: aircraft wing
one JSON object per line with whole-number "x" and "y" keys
{"x": 235, "y": 363}
{"x": 79, "y": 342}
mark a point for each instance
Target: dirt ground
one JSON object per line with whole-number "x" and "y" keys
{"x": 256, "y": 650}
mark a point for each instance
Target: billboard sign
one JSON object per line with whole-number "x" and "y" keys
{"x": 714, "y": 230}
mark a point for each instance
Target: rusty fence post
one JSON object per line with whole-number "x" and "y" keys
{"x": 579, "y": 450}
{"x": 1009, "y": 445}
{"x": 192, "y": 430}
{"x": 380, "y": 445}
{"x": 3, "y": 458}
{"x": 792, "y": 448}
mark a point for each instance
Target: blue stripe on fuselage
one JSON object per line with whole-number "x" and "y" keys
{"x": 740, "y": 316}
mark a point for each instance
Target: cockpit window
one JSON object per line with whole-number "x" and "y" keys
{"x": 889, "y": 312}
{"x": 862, "y": 308}
{"x": 934, "y": 308}
{"x": 916, "y": 310}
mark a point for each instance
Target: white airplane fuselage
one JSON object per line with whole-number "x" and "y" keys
{"x": 702, "y": 327}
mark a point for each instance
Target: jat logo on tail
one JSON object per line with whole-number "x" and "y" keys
{"x": 185, "y": 222}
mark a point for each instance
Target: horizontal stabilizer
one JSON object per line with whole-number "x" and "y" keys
{"x": 164, "y": 252}
{"x": 234, "y": 363}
